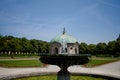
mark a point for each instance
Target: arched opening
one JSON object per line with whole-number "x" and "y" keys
{"x": 66, "y": 50}
{"x": 71, "y": 50}
{"x": 56, "y": 50}
{"x": 75, "y": 50}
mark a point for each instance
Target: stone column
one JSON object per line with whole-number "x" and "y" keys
{"x": 63, "y": 74}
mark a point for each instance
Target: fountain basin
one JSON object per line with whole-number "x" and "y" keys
{"x": 64, "y": 60}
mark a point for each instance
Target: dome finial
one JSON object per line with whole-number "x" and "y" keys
{"x": 64, "y": 30}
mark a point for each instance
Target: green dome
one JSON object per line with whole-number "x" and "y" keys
{"x": 64, "y": 37}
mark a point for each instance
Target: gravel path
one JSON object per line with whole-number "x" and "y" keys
{"x": 111, "y": 69}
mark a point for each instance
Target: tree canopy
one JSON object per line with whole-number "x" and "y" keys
{"x": 15, "y": 44}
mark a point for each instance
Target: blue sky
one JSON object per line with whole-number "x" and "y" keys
{"x": 90, "y": 21}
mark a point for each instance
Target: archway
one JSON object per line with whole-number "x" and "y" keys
{"x": 56, "y": 50}
{"x": 76, "y": 51}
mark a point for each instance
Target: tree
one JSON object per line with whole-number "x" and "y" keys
{"x": 13, "y": 46}
{"x": 92, "y": 49}
{"x": 111, "y": 47}
{"x": 101, "y": 48}
{"x": 83, "y": 48}
{"x": 3, "y": 45}
{"x": 25, "y": 45}
{"x": 117, "y": 48}
{"x": 34, "y": 44}
{"x": 43, "y": 47}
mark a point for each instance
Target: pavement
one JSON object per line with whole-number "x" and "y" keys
{"x": 111, "y": 69}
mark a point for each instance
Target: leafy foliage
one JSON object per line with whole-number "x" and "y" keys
{"x": 101, "y": 49}
{"x": 14, "y": 44}
{"x": 23, "y": 45}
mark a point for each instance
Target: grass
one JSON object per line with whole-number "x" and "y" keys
{"x": 93, "y": 63}
{"x": 53, "y": 77}
{"x": 20, "y": 63}
{"x": 34, "y": 62}
{"x": 19, "y": 57}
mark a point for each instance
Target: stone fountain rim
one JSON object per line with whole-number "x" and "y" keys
{"x": 10, "y": 77}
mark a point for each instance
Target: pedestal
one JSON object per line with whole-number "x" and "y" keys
{"x": 63, "y": 74}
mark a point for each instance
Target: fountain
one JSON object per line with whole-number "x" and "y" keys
{"x": 64, "y": 52}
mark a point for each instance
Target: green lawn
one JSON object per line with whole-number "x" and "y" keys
{"x": 93, "y": 63}
{"x": 30, "y": 62}
{"x": 55, "y": 78}
{"x": 20, "y": 63}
